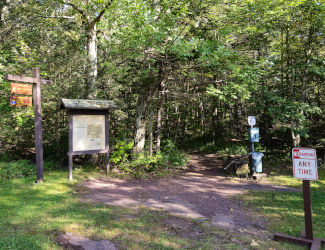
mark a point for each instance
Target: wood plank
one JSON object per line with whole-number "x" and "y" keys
{"x": 317, "y": 243}
{"x": 20, "y": 78}
{"x": 102, "y": 151}
{"x": 298, "y": 240}
{"x": 26, "y": 79}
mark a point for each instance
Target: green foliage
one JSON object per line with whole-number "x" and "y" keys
{"x": 284, "y": 112}
{"x": 219, "y": 61}
{"x": 222, "y": 147}
{"x": 121, "y": 152}
{"x": 16, "y": 169}
{"x": 143, "y": 165}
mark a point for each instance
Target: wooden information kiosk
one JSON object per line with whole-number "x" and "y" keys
{"x": 88, "y": 128}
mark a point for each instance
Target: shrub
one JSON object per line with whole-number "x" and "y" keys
{"x": 143, "y": 165}
{"x": 16, "y": 169}
{"x": 121, "y": 152}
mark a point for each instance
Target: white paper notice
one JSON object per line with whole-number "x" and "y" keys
{"x": 88, "y": 132}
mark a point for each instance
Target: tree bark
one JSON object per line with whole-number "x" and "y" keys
{"x": 161, "y": 88}
{"x": 91, "y": 86}
{"x": 150, "y": 126}
{"x": 140, "y": 121}
{"x": 178, "y": 121}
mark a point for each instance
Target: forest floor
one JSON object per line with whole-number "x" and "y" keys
{"x": 200, "y": 192}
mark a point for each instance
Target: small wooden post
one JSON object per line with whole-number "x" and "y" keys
{"x": 70, "y": 167}
{"x": 38, "y": 125}
{"x": 308, "y": 210}
{"x": 70, "y": 155}
{"x": 107, "y": 144}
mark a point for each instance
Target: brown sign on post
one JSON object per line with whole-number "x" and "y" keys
{"x": 21, "y": 89}
{"x": 37, "y": 81}
{"x": 21, "y": 101}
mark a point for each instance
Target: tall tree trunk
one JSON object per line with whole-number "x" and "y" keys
{"x": 91, "y": 33}
{"x": 91, "y": 84}
{"x": 161, "y": 88}
{"x": 178, "y": 121}
{"x": 140, "y": 121}
{"x": 307, "y": 62}
{"x": 290, "y": 81}
{"x": 150, "y": 125}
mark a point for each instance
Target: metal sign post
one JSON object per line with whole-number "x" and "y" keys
{"x": 304, "y": 168}
{"x": 37, "y": 81}
{"x": 251, "y": 123}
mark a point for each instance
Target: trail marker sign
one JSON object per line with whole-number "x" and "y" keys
{"x": 251, "y": 120}
{"x": 304, "y": 164}
{"x": 26, "y": 101}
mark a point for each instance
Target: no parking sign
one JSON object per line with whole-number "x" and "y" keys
{"x": 304, "y": 164}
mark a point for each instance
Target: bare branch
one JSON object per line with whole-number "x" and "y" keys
{"x": 63, "y": 17}
{"x": 82, "y": 13}
{"x": 97, "y": 18}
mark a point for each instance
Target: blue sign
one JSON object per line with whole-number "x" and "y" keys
{"x": 254, "y": 135}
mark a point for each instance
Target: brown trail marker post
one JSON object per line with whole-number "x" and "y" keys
{"x": 88, "y": 128}
{"x": 20, "y": 89}
{"x": 304, "y": 168}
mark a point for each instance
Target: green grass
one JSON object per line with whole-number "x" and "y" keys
{"x": 284, "y": 211}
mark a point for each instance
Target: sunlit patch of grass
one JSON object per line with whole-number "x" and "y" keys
{"x": 284, "y": 210}
{"x": 285, "y": 213}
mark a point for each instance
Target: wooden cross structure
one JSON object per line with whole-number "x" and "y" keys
{"x": 36, "y": 81}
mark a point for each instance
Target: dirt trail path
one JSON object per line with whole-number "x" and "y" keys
{"x": 200, "y": 192}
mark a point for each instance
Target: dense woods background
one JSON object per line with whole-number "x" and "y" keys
{"x": 185, "y": 72}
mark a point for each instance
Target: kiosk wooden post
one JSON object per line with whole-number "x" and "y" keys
{"x": 37, "y": 81}
{"x": 305, "y": 168}
{"x": 93, "y": 136}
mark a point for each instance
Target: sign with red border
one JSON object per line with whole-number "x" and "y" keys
{"x": 304, "y": 164}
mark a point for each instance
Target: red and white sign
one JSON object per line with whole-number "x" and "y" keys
{"x": 304, "y": 164}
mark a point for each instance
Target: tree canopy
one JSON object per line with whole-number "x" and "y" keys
{"x": 179, "y": 70}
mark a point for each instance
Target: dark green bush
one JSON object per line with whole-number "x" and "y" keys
{"x": 143, "y": 165}
{"x": 16, "y": 169}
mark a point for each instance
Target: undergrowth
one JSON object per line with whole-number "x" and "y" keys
{"x": 143, "y": 165}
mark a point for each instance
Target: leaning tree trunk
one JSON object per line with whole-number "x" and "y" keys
{"x": 91, "y": 86}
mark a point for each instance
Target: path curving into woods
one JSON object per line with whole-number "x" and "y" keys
{"x": 201, "y": 192}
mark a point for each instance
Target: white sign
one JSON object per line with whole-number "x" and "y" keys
{"x": 251, "y": 120}
{"x": 88, "y": 132}
{"x": 304, "y": 164}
